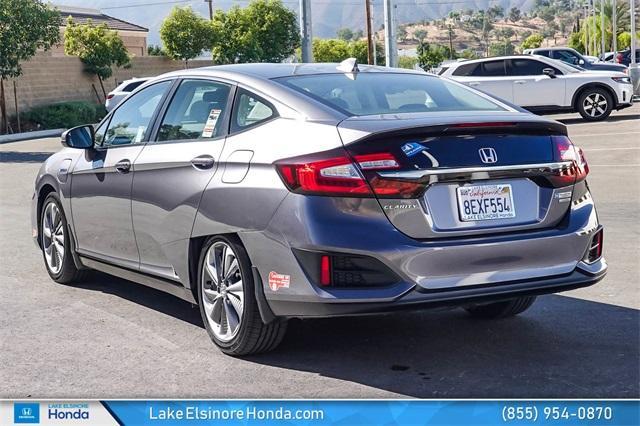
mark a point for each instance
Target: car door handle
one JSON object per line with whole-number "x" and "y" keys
{"x": 123, "y": 166}
{"x": 474, "y": 83}
{"x": 520, "y": 82}
{"x": 203, "y": 162}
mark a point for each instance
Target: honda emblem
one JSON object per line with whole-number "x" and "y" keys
{"x": 488, "y": 155}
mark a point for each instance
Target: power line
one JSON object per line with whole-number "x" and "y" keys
{"x": 147, "y": 4}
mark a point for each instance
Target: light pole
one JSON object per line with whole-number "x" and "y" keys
{"x": 634, "y": 71}
{"x": 390, "y": 48}
{"x": 305, "y": 31}
{"x": 614, "y": 29}
{"x": 602, "y": 26}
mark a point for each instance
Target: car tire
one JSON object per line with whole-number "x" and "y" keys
{"x": 56, "y": 244}
{"x": 507, "y": 308}
{"x": 595, "y": 104}
{"x": 230, "y": 311}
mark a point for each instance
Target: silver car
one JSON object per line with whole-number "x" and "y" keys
{"x": 264, "y": 192}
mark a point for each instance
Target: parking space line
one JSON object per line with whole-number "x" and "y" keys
{"x": 586, "y": 135}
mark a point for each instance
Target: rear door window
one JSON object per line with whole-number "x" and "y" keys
{"x": 465, "y": 70}
{"x": 198, "y": 110}
{"x": 490, "y": 69}
{"x": 133, "y": 86}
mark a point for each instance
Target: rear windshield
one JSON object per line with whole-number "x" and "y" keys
{"x": 388, "y": 93}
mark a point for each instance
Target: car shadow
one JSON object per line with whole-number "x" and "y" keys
{"x": 23, "y": 157}
{"x": 562, "y": 347}
{"x": 613, "y": 118}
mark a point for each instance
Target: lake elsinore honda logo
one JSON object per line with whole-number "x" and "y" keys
{"x": 68, "y": 411}
{"x": 26, "y": 412}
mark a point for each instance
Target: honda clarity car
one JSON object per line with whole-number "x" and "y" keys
{"x": 265, "y": 192}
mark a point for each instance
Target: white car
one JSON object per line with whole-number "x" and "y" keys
{"x": 545, "y": 85}
{"x": 122, "y": 91}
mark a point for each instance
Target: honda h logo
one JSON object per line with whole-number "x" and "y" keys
{"x": 488, "y": 155}
{"x": 27, "y": 412}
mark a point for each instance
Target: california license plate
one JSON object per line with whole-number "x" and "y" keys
{"x": 485, "y": 202}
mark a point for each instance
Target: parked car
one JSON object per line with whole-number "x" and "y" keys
{"x": 122, "y": 91}
{"x": 624, "y": 57}
{"x": 544, "y": 85}
{"x": 264, "y": 192}
{"x": 607, "y": 57}
{"x": 573, "y": 57}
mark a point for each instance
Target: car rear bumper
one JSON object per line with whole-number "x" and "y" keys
{"x": 452, "y": 271}
{"x": 420, "y": 298}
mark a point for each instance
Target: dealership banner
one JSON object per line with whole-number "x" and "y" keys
{"x": 322, "y": 412}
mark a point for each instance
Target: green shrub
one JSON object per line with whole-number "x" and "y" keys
{"x": 64, "y": 114}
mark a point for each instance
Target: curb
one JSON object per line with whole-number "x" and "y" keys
{"x": 52, "y": 133}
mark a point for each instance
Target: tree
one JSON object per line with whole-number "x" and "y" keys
{"x": 98, "y": 48}
{"x": 501, "y": 48}
{"x": 185, "y": 34}
{"x": 264, "y": 31}
{"x": 420, "y": 35}
{"x": 574, "y": 42}
{"x": 345, "y": 34}
{"x": 430, "y": 56}
{"x": 336, "y": 50}
{"x": 155, "y": 50}
{"x": 514, "y": 14}
{"x": 25, "y": 27}
{"x": 532, "y": 42}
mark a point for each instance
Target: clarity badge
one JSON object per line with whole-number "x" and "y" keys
{"x": 412, "y": 148}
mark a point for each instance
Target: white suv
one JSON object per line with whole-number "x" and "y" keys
{"x": 545, "y": 85}
{"x": 122, "y": 91}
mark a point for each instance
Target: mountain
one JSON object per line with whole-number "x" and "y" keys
{"x": 327, "y": 15}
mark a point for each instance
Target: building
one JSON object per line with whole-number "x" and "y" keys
{"x": 133, "y": 36}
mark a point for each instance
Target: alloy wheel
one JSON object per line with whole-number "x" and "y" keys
{"x": 53, "y": 238}
{"x": 222, "y": 291}
{"x": 595, "y": 105}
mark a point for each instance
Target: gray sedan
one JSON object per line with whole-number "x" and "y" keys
{"x": 264, "y": 192}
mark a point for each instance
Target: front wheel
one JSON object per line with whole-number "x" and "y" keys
{"x": 595, "y": 104}
{"x": 227, "y": 301}
{"x": 507, "y": 308}
{"x": 56, "y": 242}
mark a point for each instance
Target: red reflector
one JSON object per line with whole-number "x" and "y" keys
{"x": 487, "y": 124}
{"x": 110, "y": 95}
{"x": 325, "y": 270}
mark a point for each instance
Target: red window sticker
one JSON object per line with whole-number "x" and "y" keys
{"x": 277, "y": 281}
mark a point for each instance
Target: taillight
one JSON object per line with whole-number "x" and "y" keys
{"x": 334, "y": 173}
{"x": 566, "y": 151}
{"x": 619, "y": 58}
{"x": 110, "y": 95}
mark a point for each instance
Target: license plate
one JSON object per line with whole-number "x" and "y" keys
{"x": 485, "y": 202}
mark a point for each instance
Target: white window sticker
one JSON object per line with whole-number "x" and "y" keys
{"x": 140, "y": 134}
{"x": 210, "y": 125}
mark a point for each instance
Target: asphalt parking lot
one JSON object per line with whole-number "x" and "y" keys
{"x": 109, "y": 338}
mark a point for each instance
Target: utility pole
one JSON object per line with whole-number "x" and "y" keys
{"x": 305, "y": 31}
{"x": 370, "y": 54}
{"x": 210, "y": 9}
{"x": 614, "y": 30}
{"x": 602, "y": 26}
{"x": 634, "y": 71}
{"x": 595, "y": 29}
{"x": 390, "y": 47}
{"x": 450, "y": 30}
{"x": 373, "y": 38}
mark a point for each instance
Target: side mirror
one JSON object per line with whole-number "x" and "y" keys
{"x": 81, "y": 137}
{"x": 549, "y": 72}
{"x": 581, "y": 62}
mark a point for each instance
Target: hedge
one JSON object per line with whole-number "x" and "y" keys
{"x": 64, "y": 115}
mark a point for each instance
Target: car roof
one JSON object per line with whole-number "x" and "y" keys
{"x": 500, "y": 58}
{"x": 276, "y": 70}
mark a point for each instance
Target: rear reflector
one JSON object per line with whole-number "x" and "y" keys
{"x": 325, "y": 270}
{"x": 110, "y": 95}
{"x": 595, "y": 248}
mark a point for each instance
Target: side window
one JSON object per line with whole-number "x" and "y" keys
{"x": 490, "y": 69}
{"x": 249, "y": 110}
{"x": 130, "y": 122}
{"x": 464, "y": 70}
{"x": 546, "y": 53}
{"x": 566, "y": 56}
{"x": 99, "y": 133}
{"x": 196, "y": 111}
{"x": 528, "y": 67}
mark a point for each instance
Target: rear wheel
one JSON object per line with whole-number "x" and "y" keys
{"x": 507, "y": 308}
{"x": 595, "y": 104}
{"x": 55, "y": 241}
{"x": 227, "y": 301}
